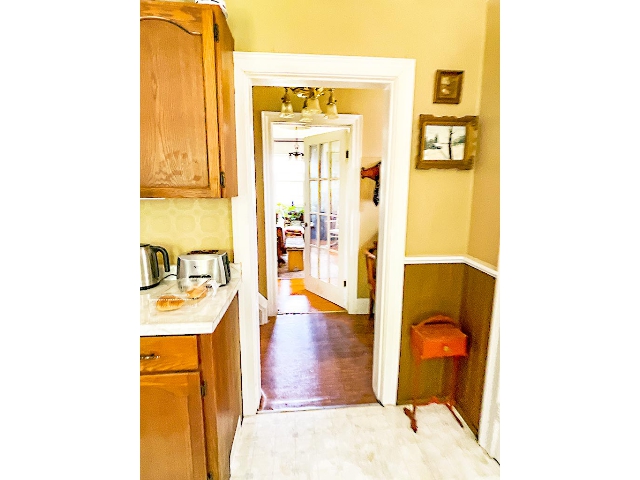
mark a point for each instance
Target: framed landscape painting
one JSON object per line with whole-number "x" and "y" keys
{"x": 447, "y": 142}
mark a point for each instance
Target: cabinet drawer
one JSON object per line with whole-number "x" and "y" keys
{"x": 168, "y": 354}
{"x": 435, "y": 341}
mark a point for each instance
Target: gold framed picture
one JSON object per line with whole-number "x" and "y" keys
{"x": 447, "y": 142}
{"x": 448, "y": 86}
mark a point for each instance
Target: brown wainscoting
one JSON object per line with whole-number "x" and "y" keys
{"x": 465, "y": 294}
{"x": 429, "y": 289}
{"x": 475, "y": 320}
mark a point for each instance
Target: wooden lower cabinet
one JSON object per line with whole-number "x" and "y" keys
{"x": 188, "y": 419}
{"x": 220, "y": 367}
{"x": 171, "y": 427}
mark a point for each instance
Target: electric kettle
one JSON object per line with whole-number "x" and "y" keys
{"x": 150, "y": 274}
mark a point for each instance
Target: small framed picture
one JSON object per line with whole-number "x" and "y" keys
{"x": 447, "y": 142}
{"x": 448, "y": 86}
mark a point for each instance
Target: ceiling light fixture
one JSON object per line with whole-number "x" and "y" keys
{"x": 311, "y": 104}
{"x": 296, "y": 152}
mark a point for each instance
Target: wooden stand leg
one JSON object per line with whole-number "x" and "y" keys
{"x": 450, "y": 407}
{"x": 452, "y": 396}
{"x": 449, "y": 402}
{"x": 412, "y": 413}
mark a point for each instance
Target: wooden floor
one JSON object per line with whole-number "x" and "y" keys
{"x": 314, "y": 354}
{"x": 294, "y": 298}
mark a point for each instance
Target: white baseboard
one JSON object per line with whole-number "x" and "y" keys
{"x": 263, "y": 317}
{"x": 362, "y": 306}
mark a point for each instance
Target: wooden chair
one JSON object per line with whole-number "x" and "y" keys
{"x": 280, "y": 244}
{"x": 370, "y": 257}
{"x": 293, "y": 231}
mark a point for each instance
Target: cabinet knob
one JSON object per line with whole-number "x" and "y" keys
{"x": 446, "y": 348}
{"x": 150, "y": 356}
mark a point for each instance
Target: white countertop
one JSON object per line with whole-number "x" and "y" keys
{"x": 192, "y": 318}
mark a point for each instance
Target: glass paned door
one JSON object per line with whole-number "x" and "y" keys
{"x": 324, "y": 262}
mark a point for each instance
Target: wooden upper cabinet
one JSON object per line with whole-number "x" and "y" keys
{"x": 187, "y": 117}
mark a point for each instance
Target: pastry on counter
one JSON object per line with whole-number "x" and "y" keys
{"x": 167, "y": 303}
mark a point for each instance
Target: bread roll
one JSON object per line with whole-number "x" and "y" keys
{"x": 167, "y": 303}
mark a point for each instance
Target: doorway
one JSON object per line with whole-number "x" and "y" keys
{"x": 328, "y": 245}
{"x": 313, "y": 354}
{"x": 395, "y": 77}
{"x": 309, "y": 195}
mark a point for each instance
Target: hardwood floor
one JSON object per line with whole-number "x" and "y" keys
{"x": 294, "y": 298}
{"x": 314, "y": 354}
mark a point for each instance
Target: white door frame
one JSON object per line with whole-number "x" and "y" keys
{"x": 396, "y": 76}
{"x": 489, "y": 428}
{"x": 351, "y": 234}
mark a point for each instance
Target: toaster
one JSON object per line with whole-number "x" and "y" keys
{"x": 213, "y": 264}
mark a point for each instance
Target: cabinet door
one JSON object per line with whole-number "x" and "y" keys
{"x": 220, "y": 356}
{"x": 171, "y": 427}
{"x": 226, "y": 107}
{"x": 179, "y": 148}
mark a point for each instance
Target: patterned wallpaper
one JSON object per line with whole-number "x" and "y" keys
{"x": 184, "y": 224}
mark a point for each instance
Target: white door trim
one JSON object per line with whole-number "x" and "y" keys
{"x": 351, "y": 236}
{"x": 489, "y": 428}
{"x": 396, "y": 76}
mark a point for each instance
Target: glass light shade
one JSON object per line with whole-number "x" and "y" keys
{"x": 287, "y": 110}
{"x": 307, "y": 116}
{"x": 332, "y": 111}
{"x": 313, "y": 105}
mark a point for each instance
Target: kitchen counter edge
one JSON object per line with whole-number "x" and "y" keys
{"x": 223, "y": 299}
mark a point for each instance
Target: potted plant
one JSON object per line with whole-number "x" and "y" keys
{"x": 295, "y": 215}
{"x": 291, "y": 214}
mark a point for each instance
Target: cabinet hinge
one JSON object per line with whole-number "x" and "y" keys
{"x": 345, "y": 283}
{"x": 222, "y": 183}
{"x": 216, "y": 32}
{"x": 203, "y": 389}
{"x": 347, "y": 153}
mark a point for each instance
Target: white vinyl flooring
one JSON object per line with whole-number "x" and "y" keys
{"x": 360, "y": 442}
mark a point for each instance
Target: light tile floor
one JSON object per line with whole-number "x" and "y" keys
{"x": 363, "y": 442}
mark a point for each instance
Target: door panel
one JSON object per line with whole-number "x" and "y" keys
{"x": 173, "y": 144}
{"x": 171, "y": 427}
{"x": 325, "y": 271}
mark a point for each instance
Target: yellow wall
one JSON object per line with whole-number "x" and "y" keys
{"x": 184, "y": 224}
{"x": 261, "y": 101}
{"x": 367, "y": 102}
{"x": 439, "y": 34}
{"x": 484, "y": 238}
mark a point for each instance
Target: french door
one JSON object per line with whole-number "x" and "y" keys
{"x": 324, "y": 259}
